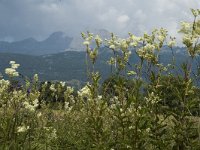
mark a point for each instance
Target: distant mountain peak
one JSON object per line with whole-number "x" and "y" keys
{"x": 55, "y": 43}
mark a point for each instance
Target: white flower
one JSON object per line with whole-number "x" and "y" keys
{"x": 4, "y": 82}
{"x": 112, "y": 46}
{"x": 86, "y": 43}
{"x": 98, "y": 39}
{"x": 149, "y": 47}
{"x": 85, "y": 92}
{"x": 31, "y": 107}
{"x": 134, "y": 44}
{"x": 124, "y": 44}
{"x": 161, "y": 38}
{"x": 171, "y": 43}
{"x": 62, "y": 83}
{"x": 70, "y": 90}
{"x": 11, "y": 72}
{"x": 52, "y": 88}
{"x": 35, "y": 77}
{"x": 15, "y": 66}
{"x": 12, "y": 62}
{"x": 22, "y": 129}
{"x": 39, "y": 114}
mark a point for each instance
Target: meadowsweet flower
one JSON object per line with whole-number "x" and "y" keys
{"x": 152, "y": 98}
{"x": 12, "y": 71}
{"x": 4, "y": 82}
{"x": 124, "y": 44}
{"x": 23, "y": 128}
{"x": 134, "y": 44}
{"x": 15, "y": 66}
{"x": 12, "y": 62}
{"x": 39, "y": 114}
{"x": 31, "y": 107}
{"x": 70, "y": 90}
{"x": 35, "y": 77}
{"x": 161, "y": 38}
{"x": 171, "y": 43}
{"x": 85, "y": 92}
{"x": 86, "y": 43}
{"x": 186, "y": 27}
{"x": 98, "y": 40}
{"x": 52, "y": 88}
{"x": 112, "y": 46}
{"x": 149, "y": 47}
{"x": 62, "y": 84}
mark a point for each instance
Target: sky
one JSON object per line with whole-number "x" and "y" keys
{"x": 22, "y": 19}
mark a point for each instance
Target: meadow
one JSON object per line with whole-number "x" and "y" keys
{"x": 151, "y": 106}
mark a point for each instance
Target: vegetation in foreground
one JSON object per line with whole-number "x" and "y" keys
{"x": 148, "y": 107}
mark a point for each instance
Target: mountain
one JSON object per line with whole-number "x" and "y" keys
{"x": 55, "y": 43}
{"x": 70, "y": 65}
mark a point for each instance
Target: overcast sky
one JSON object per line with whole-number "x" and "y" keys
{"x": 38, "y": 18}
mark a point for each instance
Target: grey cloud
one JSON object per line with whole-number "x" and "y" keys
{"x": 38, "y": 18}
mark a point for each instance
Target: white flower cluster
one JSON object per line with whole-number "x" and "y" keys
{"x": 31, "y": 107}
{"x": 22, "y": 129}
{"x": 4, "y": 83}
{"x": 152, "y": 98}
{"x": 85, "y": 92}
{"x": 62, "y": 83}
{"x": 11, "y": 72}
{"x": 52, "y": 88}
{"x": 191, "y": 34}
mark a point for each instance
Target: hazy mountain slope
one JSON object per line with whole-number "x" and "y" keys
{"x": 55, "y": 43}
{"x": 71, "y": 64}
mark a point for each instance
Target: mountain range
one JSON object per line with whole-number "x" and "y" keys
{"x": 60, "y": 57}
{"x": 55, "y": 43}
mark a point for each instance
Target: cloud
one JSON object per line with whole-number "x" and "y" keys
{"x": 39, "y": 18}
{"x": 123, "y": 20}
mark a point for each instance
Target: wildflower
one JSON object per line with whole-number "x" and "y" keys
{"x": 39, "y": 114}
{"x": 124, "y": 44}
{"x": 171, "y": 43}
{"x": 98, "y": 40}
{"x": 70, "y": 90}
{"x": 86, "y": 43}
{"x": 12, "y": 71}
{"x": 52, "y": 88}
{"x": 62, "y": 84}
{"x": 134, "y": 44}
{"x": 85, "y": 92}
{"x": 149, "y": 47}
{"x": 22, "y": 129}
{"x": 161, "y": 38}
{"x": 35, "y": 77}
{"x": 15, "y": 66}
{"x": 31, "y": 107}
{"x": 12, "y": 62}
{"x": 112, "y": 47}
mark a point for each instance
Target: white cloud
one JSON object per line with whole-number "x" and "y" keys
{"x": 123, "y": 19}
